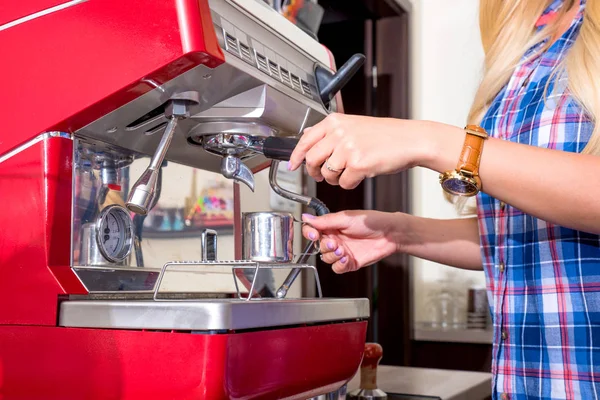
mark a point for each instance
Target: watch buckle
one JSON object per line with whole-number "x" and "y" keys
{"x": 466, "y": 173}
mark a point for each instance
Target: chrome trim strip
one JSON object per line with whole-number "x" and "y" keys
{"x": 39, "y": 14}
{"x": 71, "y": 227}
{"x": 35, "y": 140}
{"x": 303, "y": 126}
{"x": 154, "y": 84}
{"x": 108, "y": 269}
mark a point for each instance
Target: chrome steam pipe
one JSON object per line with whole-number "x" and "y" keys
{"x": 314, "y": 203}
{"x": 143, "y": 191}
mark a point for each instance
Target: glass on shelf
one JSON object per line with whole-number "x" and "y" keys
{"x": 445, "y": 307}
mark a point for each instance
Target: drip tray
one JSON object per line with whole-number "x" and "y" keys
{"x": 209, "y": 315}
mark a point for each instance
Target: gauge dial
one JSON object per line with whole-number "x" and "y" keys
{"x": 114, "y": 233}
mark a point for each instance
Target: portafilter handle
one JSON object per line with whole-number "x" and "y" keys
{"x": 368, "y": 375}
{"x": 279, "y": 148}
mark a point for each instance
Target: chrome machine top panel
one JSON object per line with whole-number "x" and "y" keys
{"x": 209, "y": 315}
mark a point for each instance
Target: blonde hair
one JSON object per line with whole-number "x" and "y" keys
{"x": 508, "y": 30}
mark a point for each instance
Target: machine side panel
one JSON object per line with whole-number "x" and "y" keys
{"x": 67, "y": 68}
{"x": 70, "y": 363}
{"x": 34, "y": 236}
{"x": 197, "y": 34}
{"x": 58, "y": 187}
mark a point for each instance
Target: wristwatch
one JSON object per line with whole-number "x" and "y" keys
{"x": 464, "y": 180}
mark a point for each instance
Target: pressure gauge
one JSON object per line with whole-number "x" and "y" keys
{"x": 114, "y": 233}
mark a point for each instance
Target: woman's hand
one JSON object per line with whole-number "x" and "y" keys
{"x": 345, "y": 149}
{"x": 353, "y": 239}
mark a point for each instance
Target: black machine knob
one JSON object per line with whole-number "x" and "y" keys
{"x": 330, "y": 84}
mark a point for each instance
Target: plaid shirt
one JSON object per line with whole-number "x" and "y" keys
{"x": 543, "y": 280}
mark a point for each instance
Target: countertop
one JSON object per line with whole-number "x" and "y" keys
{"x": 446, "y": 384}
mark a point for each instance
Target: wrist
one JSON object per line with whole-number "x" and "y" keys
{"x": 440, "y": 146}
{"x": 399, "y": 231}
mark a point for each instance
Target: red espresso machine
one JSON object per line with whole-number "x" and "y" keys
{"x": 108, "y": 105}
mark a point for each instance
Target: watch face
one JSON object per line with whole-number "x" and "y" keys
{"x": 459, "y": 187}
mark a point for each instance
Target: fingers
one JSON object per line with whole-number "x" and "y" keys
{"x": 330, "y": 258}
{"x": 327, "y": 244}
{"x": 317, "y": 155}
{"x": 336, "y": 255}
{"x": 327, "y": 145}
{"x": 346, "y": 263}
{"x": 333, "y": 167}
{"x": 351, "y": 178}
{"x": 332, "y": 251}
{"x": 327, "y": 160}
{"x": 310, "y": 137}
{"x": 328, "y": 222}
{"x": 342, "y": 265}
{"x": 310, "y": 233}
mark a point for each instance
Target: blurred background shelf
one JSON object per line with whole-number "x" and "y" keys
{"x": 455, "y": 335}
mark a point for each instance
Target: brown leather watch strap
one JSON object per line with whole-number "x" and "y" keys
{"x": 472, "y": 148}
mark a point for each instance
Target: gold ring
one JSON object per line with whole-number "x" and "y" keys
{"x": 330, "y": 168}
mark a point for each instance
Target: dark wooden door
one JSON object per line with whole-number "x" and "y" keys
{"x": 380, "y": 89}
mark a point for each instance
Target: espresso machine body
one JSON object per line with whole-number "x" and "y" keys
{"x": 108, "y": 106}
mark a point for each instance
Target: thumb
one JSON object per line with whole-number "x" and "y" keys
{"x": 334, "y": 221}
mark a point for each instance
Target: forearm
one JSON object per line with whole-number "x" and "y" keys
{"x": 453, "y": 242}
{"x": 556, "y": 186}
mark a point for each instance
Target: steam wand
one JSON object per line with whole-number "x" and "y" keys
{"x": 312, "y": 202}
{"x": 144, "y": 190}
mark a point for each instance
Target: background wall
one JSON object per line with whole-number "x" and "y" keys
{"x": 176, "y": 187}
{"x": 446, "y": 65}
